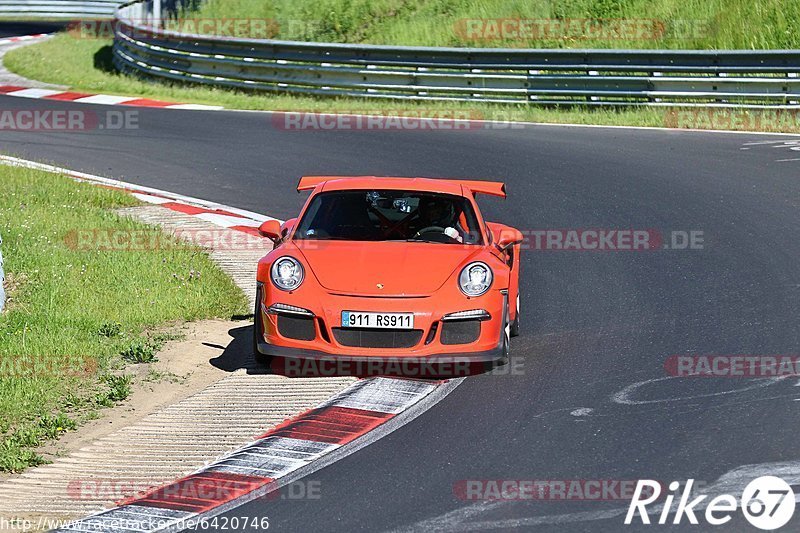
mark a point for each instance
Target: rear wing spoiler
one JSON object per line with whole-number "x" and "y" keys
{"x": 308, "y": 183}
{"x": 493, "y": 188}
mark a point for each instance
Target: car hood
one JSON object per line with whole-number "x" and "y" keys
{"x": 401, "y": 268}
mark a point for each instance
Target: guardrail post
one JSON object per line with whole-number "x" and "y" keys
{"x": 530, "y": 97}
{"x": 593, "y": 73}
{"x": 157, "y": 13}
{"x": 655, "y": 75}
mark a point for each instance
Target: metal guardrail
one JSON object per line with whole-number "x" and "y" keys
{"x": 58, "y": 9}
{"x": 587, "y": 77}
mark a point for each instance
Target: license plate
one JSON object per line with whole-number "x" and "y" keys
{"x": 356, "y": 319}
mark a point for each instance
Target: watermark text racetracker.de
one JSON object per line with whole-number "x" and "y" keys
{"x": 52, "y": 366}
{"x": 552, "y": 490}
{"x": 612, "y": 239}
{"x": 254, "y": 28}
{"x": 579, "y": 29}
{"x": 116, "y": 240}
{"x": 68, "y": 120}
{"x": 251, "y": 27}
{"x": 401, "y": 119}
{"x": 733, "y": 365}
{"x": 199, "y": 486}
{"x": 774, "y": 120}
{"x": 581, "y": 239}
{"x": 407, "y": 367}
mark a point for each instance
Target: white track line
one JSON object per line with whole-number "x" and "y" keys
{"x": 34, "y": 93}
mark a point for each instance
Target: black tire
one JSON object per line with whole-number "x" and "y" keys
{"x": 258, "y": 330}
{"x": 515, "y": 324}
{"x": 506, "y": 343}
{"x": 506, "y": 347}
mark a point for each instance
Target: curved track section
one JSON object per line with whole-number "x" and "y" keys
{"x": 590, "y": 398}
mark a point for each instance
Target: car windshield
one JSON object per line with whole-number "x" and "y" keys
{"x": 390, "y": 215}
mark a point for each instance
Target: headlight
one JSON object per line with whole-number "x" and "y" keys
{"x": 475, "y": 279}
{"x": 287, "y": 273}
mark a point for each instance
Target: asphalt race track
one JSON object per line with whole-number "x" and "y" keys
{"x": 590, "y": 399}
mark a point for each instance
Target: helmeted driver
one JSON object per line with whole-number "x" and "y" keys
{"x": 439, "y": 213}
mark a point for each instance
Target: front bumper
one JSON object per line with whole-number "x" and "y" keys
{"x": 322, "y": 353}
{"x": 294, "y": 362}
{"x": 495, "y": 355}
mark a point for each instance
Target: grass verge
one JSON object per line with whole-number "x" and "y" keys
{"x": 675, "y": 24}
{"x": 74, "y": 313}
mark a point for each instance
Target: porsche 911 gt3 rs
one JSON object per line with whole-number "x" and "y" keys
{"x": 378, "y": 267}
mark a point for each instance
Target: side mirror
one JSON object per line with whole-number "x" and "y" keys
{"x": 509, "y": 237}
{"x": 270, "y": 229}
{"x": 287, "y": 226}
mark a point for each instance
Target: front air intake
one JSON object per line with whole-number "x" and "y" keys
{"x": 377, "y": 338}
{"x": 297, "y": 327}
{"x": 460, "y": 331}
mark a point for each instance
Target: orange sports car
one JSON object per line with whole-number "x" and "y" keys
{"x": 380, "y": 267}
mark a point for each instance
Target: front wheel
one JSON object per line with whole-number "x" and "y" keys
{"x": 258, "y": 332}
